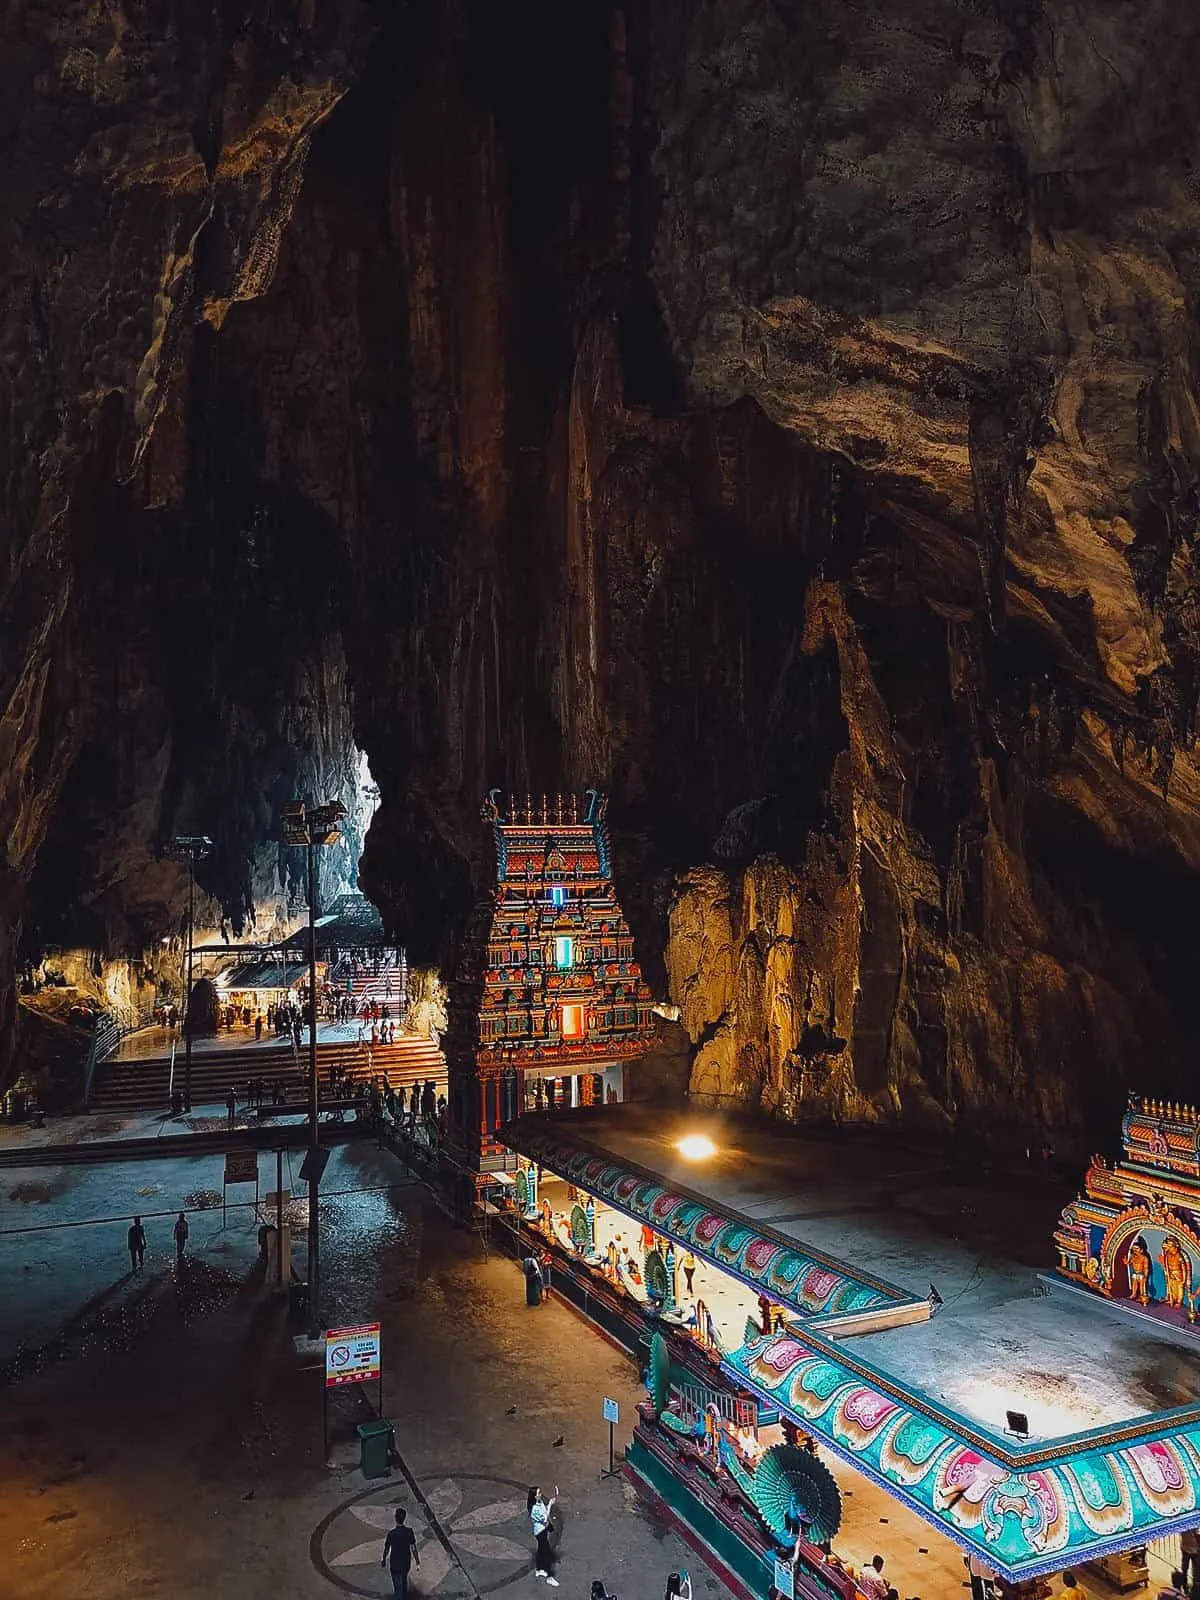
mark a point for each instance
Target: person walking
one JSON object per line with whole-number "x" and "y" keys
{"x": 679, "y": 1586}
{"x": 136, "y": 1240}
{"x": 689, "y": 1270}
{"x": 181, "y": 1236}
{"x": 399, "y": 1552}
{"x": 539, "y": 1520}
{"x": 533, "y": 1281}
{"x": 231, "y": 1106}
{"x": 1189, "y": 1554}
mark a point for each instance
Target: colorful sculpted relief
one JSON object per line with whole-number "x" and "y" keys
{"x": 547, "y": 981}
{"x": 1134, "y": 1233}
{"x": 560, "y": 981}
{"x": 1025, "y": 1520}
{"x": 807, "y": 1284}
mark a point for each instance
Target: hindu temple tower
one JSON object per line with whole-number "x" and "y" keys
{"x": 547, "y": 986}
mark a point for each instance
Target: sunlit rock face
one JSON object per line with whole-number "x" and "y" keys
{"x": 781, "y": 415}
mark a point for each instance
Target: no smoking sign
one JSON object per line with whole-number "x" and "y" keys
{"x": 352, "y": 1355}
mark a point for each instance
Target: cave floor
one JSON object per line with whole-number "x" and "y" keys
{"x": 915, "y": 1214}
{"x": 172, "y": 1446}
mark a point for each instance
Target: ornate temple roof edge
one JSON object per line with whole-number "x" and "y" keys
{"x": 1145, "y": 1428}
{"x": 1036, "y": 1566}
{"x": 532, "y": 1139}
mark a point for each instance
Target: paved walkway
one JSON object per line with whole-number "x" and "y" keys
{"x": 178, "y": 1451}
{"x": 101, "y": 1127}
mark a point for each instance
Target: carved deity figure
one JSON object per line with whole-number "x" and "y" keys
{"x": 1177, "y": 1270}
{"x": 1139, "y": 1271}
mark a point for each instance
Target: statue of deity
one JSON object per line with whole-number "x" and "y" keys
{"x": 1177, "y": 1270}
{"x": 1139, "y": 1271}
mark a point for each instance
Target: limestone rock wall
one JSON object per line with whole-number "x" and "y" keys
{"x": 783, "y": 415}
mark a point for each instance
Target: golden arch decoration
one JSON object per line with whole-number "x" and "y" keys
{"x": 1119, "y": 1281}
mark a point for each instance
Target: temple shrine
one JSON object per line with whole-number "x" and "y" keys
{"x": 804, "y": 1412}
{"x": 548, "y": 1002}
{"x": 1133, "y": 1236}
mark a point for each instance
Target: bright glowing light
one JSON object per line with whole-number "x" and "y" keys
{"x": 696, "y": 1147}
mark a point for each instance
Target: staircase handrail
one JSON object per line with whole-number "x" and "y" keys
{"x": 106, "y": 1036}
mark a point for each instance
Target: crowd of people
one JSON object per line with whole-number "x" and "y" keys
{"x": 423, "y": 1106}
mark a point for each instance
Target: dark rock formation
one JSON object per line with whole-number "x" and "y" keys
{"x": 784, "y": 415}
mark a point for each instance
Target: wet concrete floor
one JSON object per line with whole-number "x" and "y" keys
{"x": 170, "y": 1443}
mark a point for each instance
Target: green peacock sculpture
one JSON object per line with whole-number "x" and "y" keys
{"x": 794, "y": 1488}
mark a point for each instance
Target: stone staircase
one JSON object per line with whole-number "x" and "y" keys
{"x": 388, "y": 987}
{"x": 143, "y": 1085}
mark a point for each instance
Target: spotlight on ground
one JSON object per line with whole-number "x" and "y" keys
{"x": 695, "y": 1147}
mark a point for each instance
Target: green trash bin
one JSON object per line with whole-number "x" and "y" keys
{"x": 375, "y": 1448}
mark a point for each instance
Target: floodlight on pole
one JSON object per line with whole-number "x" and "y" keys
{"x": 189, "y": 847}
{"x": 308, "y": 827}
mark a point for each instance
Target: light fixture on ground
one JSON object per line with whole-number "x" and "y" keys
{"x": 696, "y": 1147}
{"x": 189, "y": 847}
{"x": 309, "y": 827}
{"x": 1018, "y": 1424}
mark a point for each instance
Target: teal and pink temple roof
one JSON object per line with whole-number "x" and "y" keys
{"x": 1026, "y": 1509}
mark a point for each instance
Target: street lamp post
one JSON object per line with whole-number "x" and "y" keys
{"x": 189, "y": 847}
{"x": 309, "y": 827}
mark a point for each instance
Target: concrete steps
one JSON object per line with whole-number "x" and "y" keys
{"x": 142, "y": 1085}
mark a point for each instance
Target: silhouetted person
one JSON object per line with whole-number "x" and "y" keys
{"x": 181, "y": 1236}
{"x": 136, "y": 1240}
{"x": 231, "y": 1106}
{"x": 399, "y": 1552}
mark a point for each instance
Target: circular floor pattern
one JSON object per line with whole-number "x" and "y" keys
{"x": 483, "y": 1517}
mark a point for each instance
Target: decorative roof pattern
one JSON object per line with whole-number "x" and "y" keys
{"x": 1028, "y": 1510}
{"x": 799, "y": 1277}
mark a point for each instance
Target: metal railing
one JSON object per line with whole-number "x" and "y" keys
{"x": 106, "y": 1036}
{"x": 694, "y": 1399}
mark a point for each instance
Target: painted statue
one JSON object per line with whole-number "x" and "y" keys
{"x": 1139, "y": 1264}
{"x": 1177, "y": 1271}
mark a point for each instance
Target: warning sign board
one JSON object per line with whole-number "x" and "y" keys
{"x": 351, "y": 1354}
{"x": 241, "y": 1166}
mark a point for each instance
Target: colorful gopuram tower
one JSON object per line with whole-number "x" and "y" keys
{"x": 547, "y": 984}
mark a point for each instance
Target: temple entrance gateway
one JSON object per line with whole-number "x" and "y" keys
{"x": 549, "y": 1001}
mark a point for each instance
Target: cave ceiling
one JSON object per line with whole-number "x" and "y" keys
{"x": 784, "y": 415}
